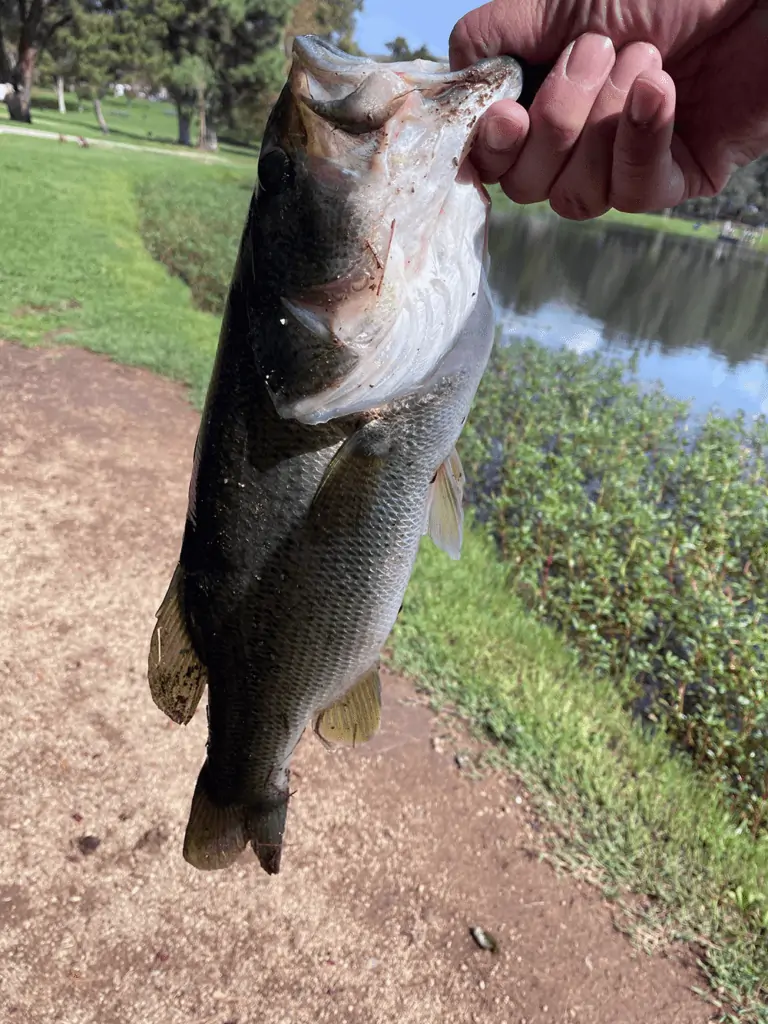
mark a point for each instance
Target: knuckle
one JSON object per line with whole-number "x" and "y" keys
{"x": 522, "y": 192}
{"x": 632, "y": 197}
{"x": 460, "y": 44}
{"x": 575, "y": 206}
{"x": 634, "y": 178}
{"x": 525, "y": 196}
{"x": 561, "y": 133}
{"x": 635, "y": 161}
{"x": 489, "y": 173}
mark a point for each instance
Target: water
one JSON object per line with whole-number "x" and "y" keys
{"x": 694, "y": 311}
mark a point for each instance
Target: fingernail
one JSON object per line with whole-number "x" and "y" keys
{"x": 590, "y": 57}
{"x": 645, "y": 103}
{"x": 500, "y": 135}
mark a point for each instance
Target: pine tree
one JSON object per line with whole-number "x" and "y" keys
{"x": 218, "y": 56}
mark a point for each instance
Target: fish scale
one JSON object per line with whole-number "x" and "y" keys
{"x": 302, "y": 530}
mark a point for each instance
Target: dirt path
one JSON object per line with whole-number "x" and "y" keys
{"x": 392, "y": 852}
{"x": 192, "y": 154}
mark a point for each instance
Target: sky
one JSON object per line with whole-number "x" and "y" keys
{"x": 420, "y": 21}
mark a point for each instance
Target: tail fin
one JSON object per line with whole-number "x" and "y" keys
{"x": 216, "y": 836}
{"x": 266, "y": 827}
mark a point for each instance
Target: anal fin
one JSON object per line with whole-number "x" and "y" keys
{"x": 445, "y": 514}
{"x": 176, "y": 675}
{"x": 356, "y": 717}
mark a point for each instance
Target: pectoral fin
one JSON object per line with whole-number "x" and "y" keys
{"x": 363, "y": 453}
{"x": 445, "y": 516}
{"x": 357, "y": 716}
{"x": 177, "y": 677}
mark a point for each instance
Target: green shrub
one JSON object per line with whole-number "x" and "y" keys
{"x": 641, "y": 537}
{"x": 195, "y": 229}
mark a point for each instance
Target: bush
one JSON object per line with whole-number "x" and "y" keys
{"x": 195, "y": 229}
{"x": 643, "y": 539}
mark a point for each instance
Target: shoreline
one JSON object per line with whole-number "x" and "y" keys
{"x": 709, "y": 231}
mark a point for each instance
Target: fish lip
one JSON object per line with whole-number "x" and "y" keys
{"x": 435, "y": 79}
{"x": 326, "y": 62}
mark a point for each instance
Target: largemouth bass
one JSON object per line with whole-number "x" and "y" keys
{"x": 357, "y": 328}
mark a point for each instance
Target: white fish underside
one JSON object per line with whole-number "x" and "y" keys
{"x": 441, "y": 284}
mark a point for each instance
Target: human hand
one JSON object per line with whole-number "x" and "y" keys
{"x": 609, "y": 127}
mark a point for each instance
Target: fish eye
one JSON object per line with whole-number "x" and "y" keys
{"x": 275, "y": 171}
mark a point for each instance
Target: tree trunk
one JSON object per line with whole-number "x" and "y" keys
{"x": 60, "y": 94}
{"x": 201, "y": 142}
{"x": 185, "y": 126}
{"x": 6, "y": 71}
{"x": 100, "y": 115}
{"x": 19, "y": 101}
{"x": 18, "y": 108}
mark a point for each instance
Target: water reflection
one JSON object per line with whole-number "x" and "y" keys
{"x": 696, "y": 312}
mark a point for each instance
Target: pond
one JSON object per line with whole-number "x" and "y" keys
{"x": 695, "y": 312}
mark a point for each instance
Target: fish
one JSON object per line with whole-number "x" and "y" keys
{"x": 357, "y": 327}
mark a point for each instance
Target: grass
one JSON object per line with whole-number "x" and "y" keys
{"x": 80, "y": 273}
{"x": 195, "y": 233}
{"x": 623, "y": 811}
{"x": 628, "y": 815}
{"x": 133, "y": 121}
{"x": 640, "y": 221}
{"x": 656, "y": 222}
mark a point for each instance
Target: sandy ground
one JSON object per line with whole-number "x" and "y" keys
{"x": 392, "y": 851}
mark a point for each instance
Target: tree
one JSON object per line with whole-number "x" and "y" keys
{"x": 333, "y": 20}
{"x": 336, "y": 22}
{"x": 101, "y": 44}
{"x": 26, "y": 28}
{"x": 193, "y": 77}
{"x": 182, "y": 35}
{"x": 95, "y": 43}
{"x": 249, "y": 65}
{"x": 400, "y": 50}
{"x": 744, "y": 198}
{"x": 219, "y": 55}
{"x": 56, "y": 62}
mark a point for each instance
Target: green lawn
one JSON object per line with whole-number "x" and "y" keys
{"x": 134, "y": 121}
{"x": 80, "y": 273}
{"x": 643, "y": 221}
{"x": 622, "y": 811}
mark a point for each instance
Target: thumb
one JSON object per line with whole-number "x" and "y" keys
{"x": 515, "y": 27}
